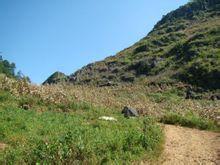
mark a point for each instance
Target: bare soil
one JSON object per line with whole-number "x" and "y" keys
{"x": 185, "y": 146}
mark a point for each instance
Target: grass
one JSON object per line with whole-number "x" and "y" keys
{"x": 74, "y": 137}
{"x": 191, "y": 120}
{"x": 173, "y": 95}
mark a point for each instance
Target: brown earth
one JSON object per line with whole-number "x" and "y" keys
{"x": 185, "y": 146}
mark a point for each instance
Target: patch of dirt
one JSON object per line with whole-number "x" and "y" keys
{"x": 185, "y": 146}
{"x": 2, "y": 146}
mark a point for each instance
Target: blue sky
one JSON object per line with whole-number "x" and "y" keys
{"x": 44, "y": 36}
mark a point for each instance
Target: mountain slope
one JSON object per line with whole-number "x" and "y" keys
{"x": 183, "y": 46}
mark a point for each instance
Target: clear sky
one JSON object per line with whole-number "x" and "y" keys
{"x": 44, "y": 36}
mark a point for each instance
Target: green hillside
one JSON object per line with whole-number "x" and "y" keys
{"x": 183, "y": 46}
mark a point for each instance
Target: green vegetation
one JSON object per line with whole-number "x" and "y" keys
{"x": 74, "y": 137}
{"x": 190, "y": 120}
{"x": 172, "y": 95}
{"x": 7, "y": 68}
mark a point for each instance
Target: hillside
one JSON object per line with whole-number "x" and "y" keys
{"x": 183, "y": 46}
{"x": 170, "y": 80}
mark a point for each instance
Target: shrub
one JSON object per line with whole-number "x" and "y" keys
{"x": 141, "y": 48}
{"x": 202, "y": 74}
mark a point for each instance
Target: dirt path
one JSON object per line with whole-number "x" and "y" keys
{"x": 185, "y": 146}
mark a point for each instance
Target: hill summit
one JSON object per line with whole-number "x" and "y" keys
{"x": 184, "y": 46}
{"x": 57, "y": 77}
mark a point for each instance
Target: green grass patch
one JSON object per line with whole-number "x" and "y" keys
{"x": 173, "y": 95}
{"x": 75, "y": 138}
{"x": 191, "y": 120}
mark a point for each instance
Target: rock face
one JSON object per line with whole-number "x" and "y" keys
{"x": 129, "y": 112}
{"x": 183, "y": 46}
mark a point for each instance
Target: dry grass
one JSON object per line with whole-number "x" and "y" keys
{"x": 144, "y": 99}
{"x": 153, "y": 100}
{"x": 51, "y": 94}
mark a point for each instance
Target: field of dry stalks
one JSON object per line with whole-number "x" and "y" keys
{"x": 148, "y": 100}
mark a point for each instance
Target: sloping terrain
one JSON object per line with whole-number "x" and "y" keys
{"x": 183, "y": 46}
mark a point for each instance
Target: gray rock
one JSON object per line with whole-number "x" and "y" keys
{"x": 215, "y": 97}
{"x": 129, "y": 112}
{"x": 107, "y": 84}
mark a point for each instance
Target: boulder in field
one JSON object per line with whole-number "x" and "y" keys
{"x": 129, "y": 112}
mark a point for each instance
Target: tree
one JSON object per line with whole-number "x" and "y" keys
{"x": 7, "y": 68}
{"x": 21, "y": 76}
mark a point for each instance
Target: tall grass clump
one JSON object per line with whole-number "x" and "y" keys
{"x": 191, "y": 120}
